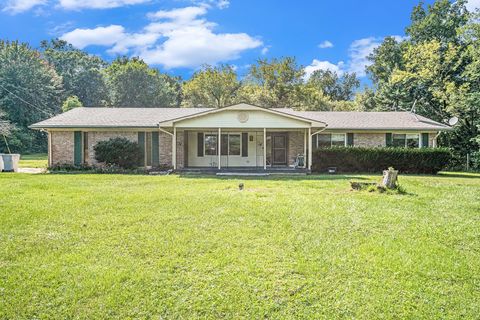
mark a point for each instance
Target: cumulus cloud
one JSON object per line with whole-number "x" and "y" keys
{"x": 97, "y": 4}
{"x": 324, "y": 65}
{"x": 17, "y": 6}
{"x": 101, "y": 36}
{"x": 174, "y": 38}
{"x": 358, "y": 53}
{"x": 325, "y": 44}
{"x": 472, "y": 5}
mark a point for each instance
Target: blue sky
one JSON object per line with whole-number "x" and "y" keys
{"x": 177, "y": 36}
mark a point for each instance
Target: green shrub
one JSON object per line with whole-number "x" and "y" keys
{"x": 119, "y": 152}
{"x": 353, "y": 159}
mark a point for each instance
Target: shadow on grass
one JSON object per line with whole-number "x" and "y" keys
{"x": 274, "y": 177}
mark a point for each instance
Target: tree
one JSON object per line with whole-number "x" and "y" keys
{"x": 132, "y": 83}
{"x": 30, "y": 91}
{"x": 70, "y": 103}
{"x": 440, "y": 21}
{"x": 81, "y": 72}
{"x": 211, "y": 87}
{"x": 274, "y": 83}
{"x": 335, "y": 87}
{"x": 385, "y": 59}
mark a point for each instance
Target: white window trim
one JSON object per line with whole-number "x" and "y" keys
{"x": 330, "y": 133}
{"x": 216, "y": 145}
{"x": 419, "y": 135}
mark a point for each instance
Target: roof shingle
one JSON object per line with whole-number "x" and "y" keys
{"x": 151, "y": 117}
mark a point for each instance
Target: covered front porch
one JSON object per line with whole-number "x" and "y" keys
{"x": 242, "y": 138}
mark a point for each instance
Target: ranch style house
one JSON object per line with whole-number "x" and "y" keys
{"x": 237, "y": 136}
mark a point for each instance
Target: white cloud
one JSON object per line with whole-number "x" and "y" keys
{"x": 17, "y": 6}
{"x": 97, "y": 4}
{"x": 472, "y": 5}
{"x": 324, "y": 65}
{"x": 358, "y": 52}
{"x": 175, "y": 38}
{"x": 265, "y": 50}
{"x": 325, "y": 44}
{"x": 102, "y": 36}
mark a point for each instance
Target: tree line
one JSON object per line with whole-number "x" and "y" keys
{"x": 434, "y": 70}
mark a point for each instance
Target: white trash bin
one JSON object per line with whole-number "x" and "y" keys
{"x": 1, "y": 162}
{"x": 10, "y": 162}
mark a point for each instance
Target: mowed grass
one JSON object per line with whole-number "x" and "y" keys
{"x": 120, "y": 246}
{"x": 36, "y": 160}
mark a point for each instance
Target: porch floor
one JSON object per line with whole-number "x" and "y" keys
{"x": 245, "y": 171}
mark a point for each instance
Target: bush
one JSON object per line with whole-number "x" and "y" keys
{"x": 119, "y": 152}
{"x": 353, "y": 159}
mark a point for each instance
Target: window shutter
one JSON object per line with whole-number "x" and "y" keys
{"x": 244, "y": 144}
{"x": 314, "y": 141}
{"x": 425, "y": 140}
{"x": 200, "y": 144}
{"x": 350, "y": 139}
{"x": 141, "y": 144}
{"x": 388, "y": 139}
{"x": 77, "y": 148}
{"x": 155, "y": 150}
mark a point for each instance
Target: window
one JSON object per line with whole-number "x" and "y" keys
{"x": 210, "y": 144}
{"x": 413, "y": 141}
{"x": 234, "y": 145}
{"x": 405, "y": 140}
{"x": 326, "y": 140}
{"x": 231, "y": 145}
{"x": 399, "y": 140}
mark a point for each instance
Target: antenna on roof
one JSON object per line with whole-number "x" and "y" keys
{"x": 413, "y": 110}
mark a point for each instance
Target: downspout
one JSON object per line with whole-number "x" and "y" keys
{"x": 310, "y": 147}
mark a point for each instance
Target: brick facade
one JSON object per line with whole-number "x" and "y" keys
{"x": 295, "y": 145}
{"x": 369, "y": 140}
{"x": 62, "y": 147}
{"x": 95, "y": 137}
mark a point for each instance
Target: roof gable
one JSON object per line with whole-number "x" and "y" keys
{"x": 243, "y": 115}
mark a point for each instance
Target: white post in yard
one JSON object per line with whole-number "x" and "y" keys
{"x": 264, "y": 148}
{"x": 174, "y": 148}
{"x": 309, "y": 149}
{"x": 219, "y": 140}
{"x": 305, "y": 148}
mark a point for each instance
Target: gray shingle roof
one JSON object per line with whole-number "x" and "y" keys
{"x": 371, "y": 120}
{"x": 115, "y": 117}
{"x": 151, "y": 117}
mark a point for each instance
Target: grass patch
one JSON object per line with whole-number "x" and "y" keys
{"x": 36, "y": 160}
{"x": 122, "y": 246}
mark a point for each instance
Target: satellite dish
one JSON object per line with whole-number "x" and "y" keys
{"x": 453, "y": 121}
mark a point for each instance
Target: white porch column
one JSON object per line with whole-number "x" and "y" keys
{"x": 264, "y": 148}
{"x": 219, "y": 140}
{"x": 174, "y": 148}
{"x": 309, "y": 149}
{"x": 305, "y": 148}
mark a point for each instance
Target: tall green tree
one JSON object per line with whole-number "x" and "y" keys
{"x": 132, "y": 83}
{"x": 81, "y": 72}
{"x": 274, "y": 83}
{"x": 335, "y": 87}
{"x": 30, "y": 91}
{"x": 211, "y": 87}
{"x": 70, "y": 103}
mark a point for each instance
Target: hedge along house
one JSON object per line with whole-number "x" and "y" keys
{"x": 236, "y": 136}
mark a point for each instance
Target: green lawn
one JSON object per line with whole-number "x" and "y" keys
{"x": 119, "y": 246}
{"x": 36, "y": 160}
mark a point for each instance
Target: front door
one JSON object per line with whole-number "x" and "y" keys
{"x": 279, "y": 149}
